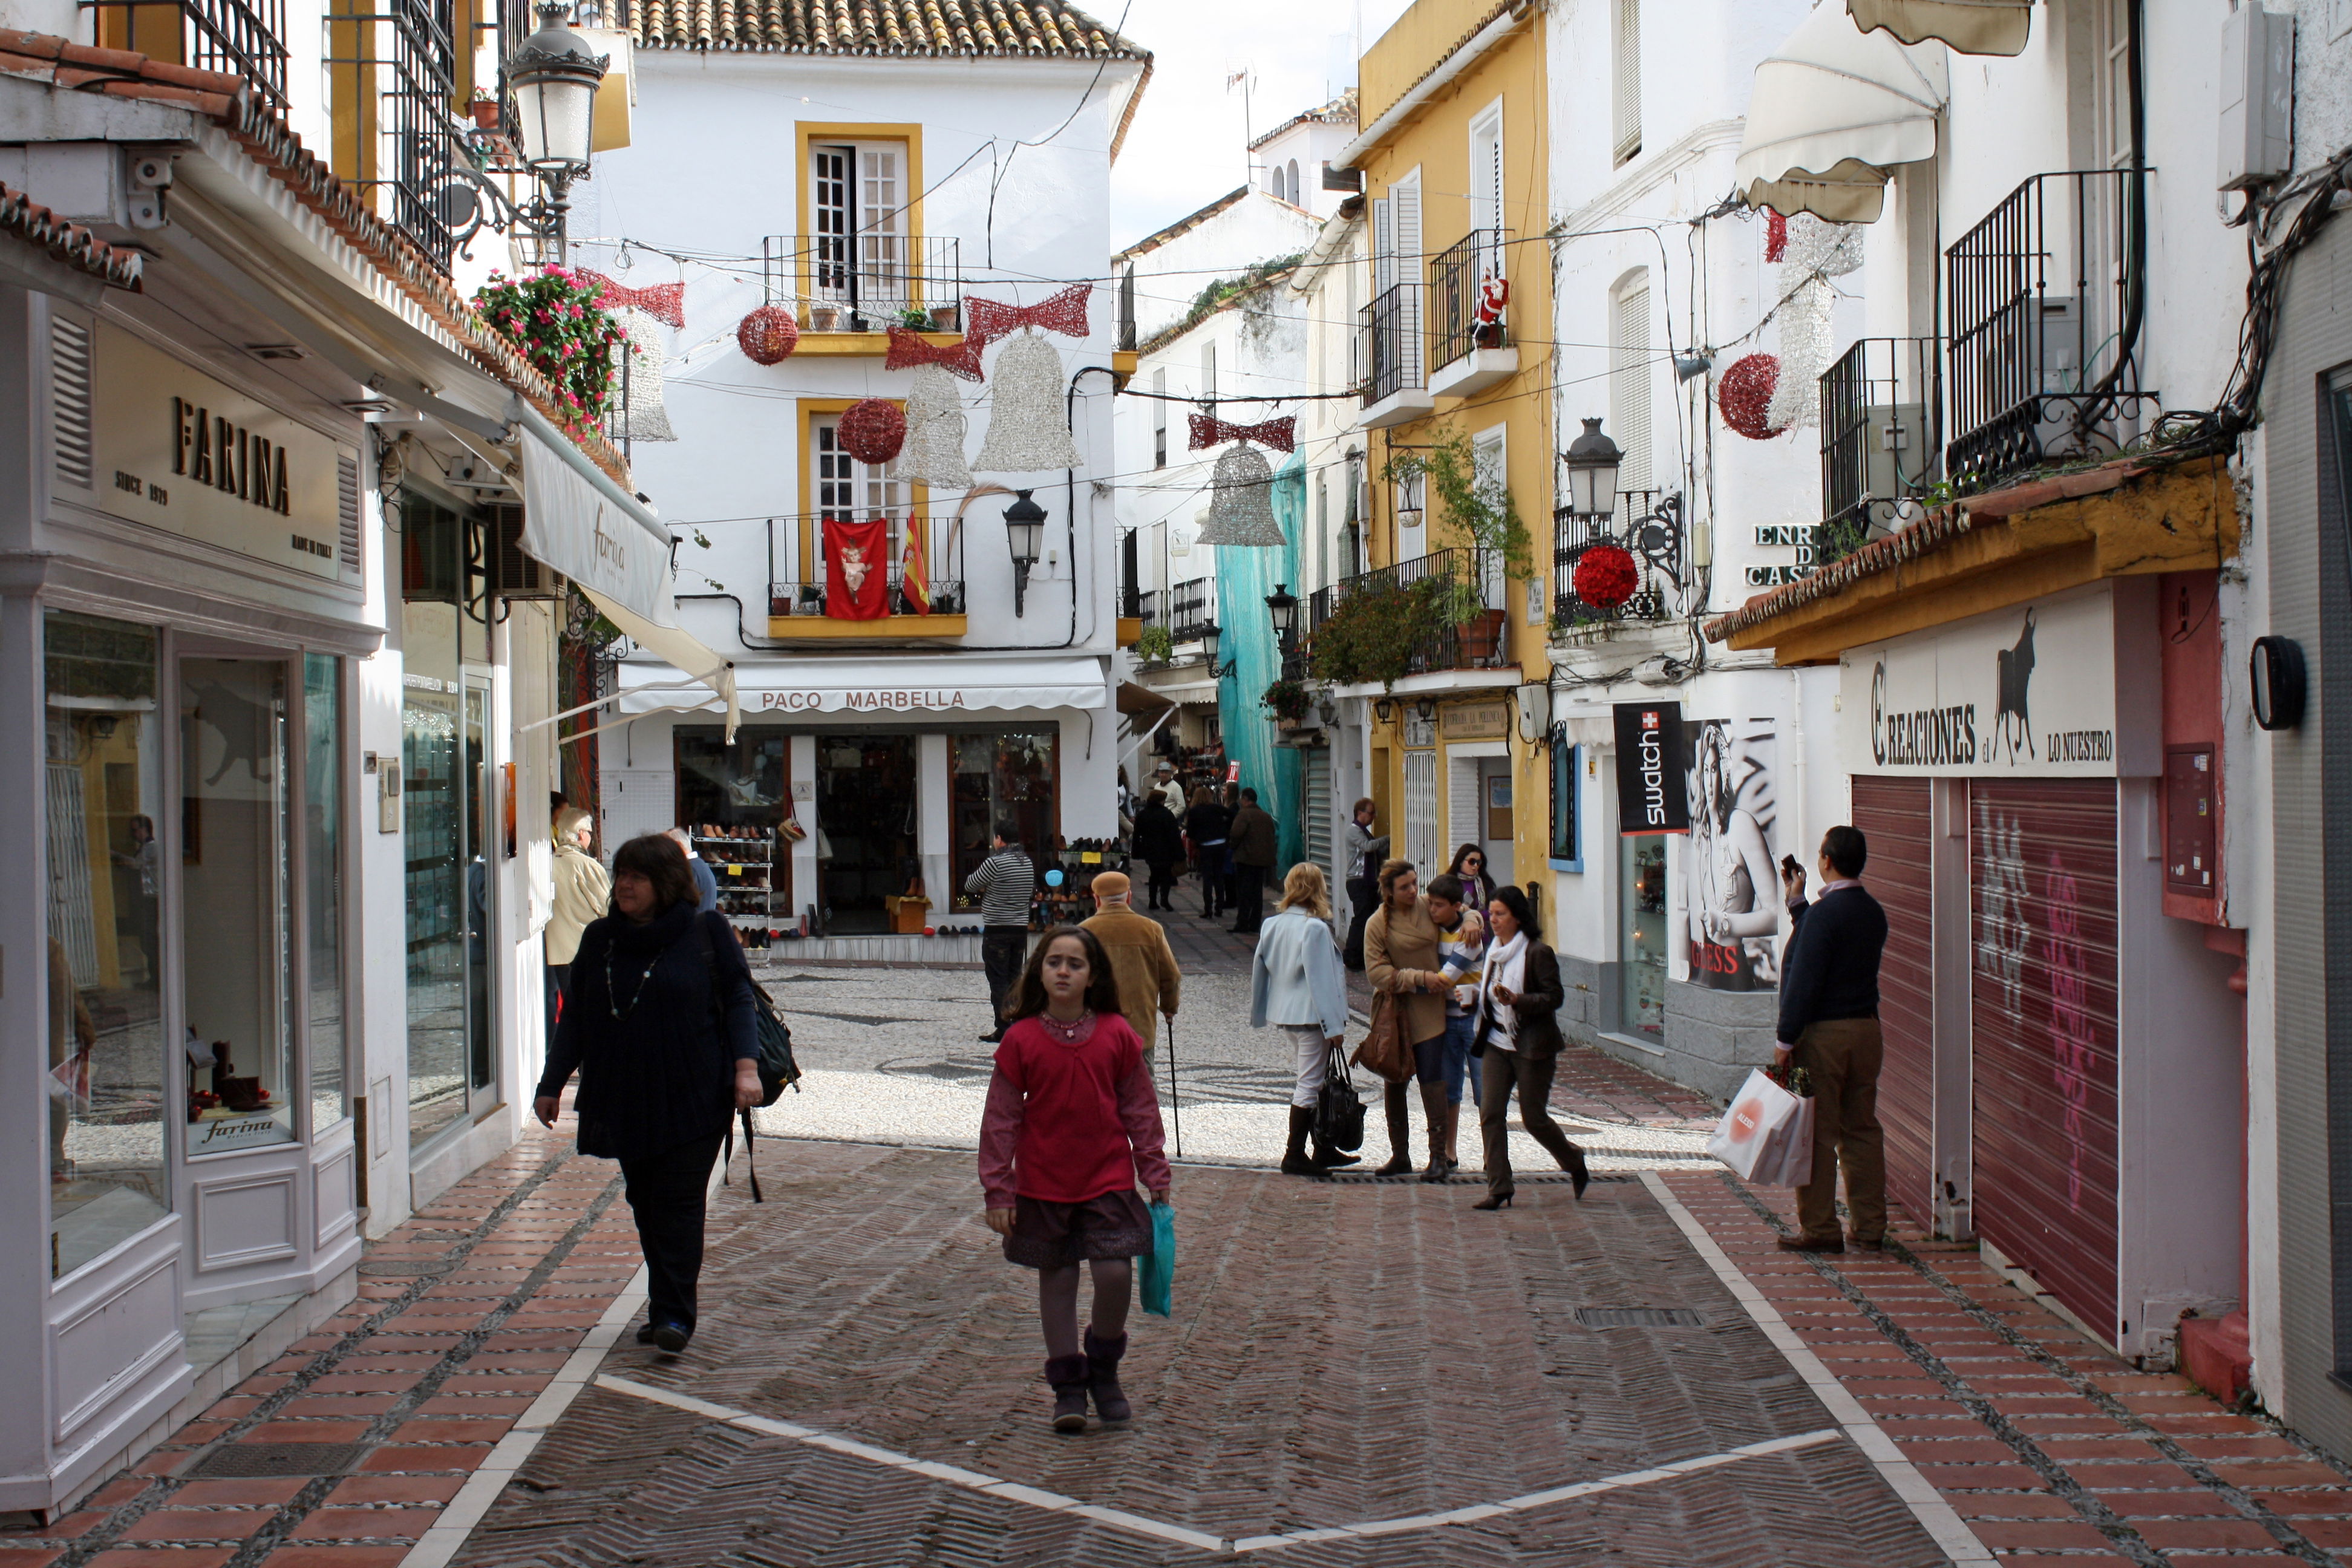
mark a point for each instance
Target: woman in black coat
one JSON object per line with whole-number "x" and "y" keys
{"x": 1159, "y": 843}
{"x": 659, "y": 1018}
{"x": 1207, "y": 824}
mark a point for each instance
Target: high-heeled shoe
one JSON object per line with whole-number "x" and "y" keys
{"x": 1496, "y": 1201}
{"x": 1579, "y": 1177}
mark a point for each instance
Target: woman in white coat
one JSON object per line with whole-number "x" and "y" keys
{"x": 1296, "y": 984}
{"x": 583, "y": 893}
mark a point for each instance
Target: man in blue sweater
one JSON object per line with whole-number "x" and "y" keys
{"x": 1829, "y": 1024}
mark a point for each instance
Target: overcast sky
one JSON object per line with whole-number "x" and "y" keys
{"x": 1187, "y": 146}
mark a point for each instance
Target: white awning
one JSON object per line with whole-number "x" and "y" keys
{"x": 1834, "y": 109}
{"x": 944, "y": 686}
{"x": 579, "y": 521}
{"x": 682, "y": 653}
{"x": 1971, "y": 26}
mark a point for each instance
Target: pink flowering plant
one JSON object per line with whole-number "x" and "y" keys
{"x": 556, "y": 317}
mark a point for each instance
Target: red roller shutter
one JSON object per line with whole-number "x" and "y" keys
{"x": 2042, "y": 1022}
{"x": 1893, "y": 814}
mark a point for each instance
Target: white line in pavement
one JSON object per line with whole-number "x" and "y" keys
{"x": 1139, "y": 1524}
{"x": 1939, "y": 1518}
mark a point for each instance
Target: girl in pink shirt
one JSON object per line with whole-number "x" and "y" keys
{"x": 1071, "y": 1123}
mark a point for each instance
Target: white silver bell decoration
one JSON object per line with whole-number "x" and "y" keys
{"x": 1028, "y": 423}
{"x": 933, "y": 454}
{"x": 1818, "y": 250}
{"x": 643, "y": 416}
{"x": 1241, "y": 501}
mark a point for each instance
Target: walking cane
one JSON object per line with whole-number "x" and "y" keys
{"x": 1174, "y": 1105}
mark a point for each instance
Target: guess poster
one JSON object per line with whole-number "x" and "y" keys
{"x": 857, "y": 569}
{"x": 1732, "y": 892}
{"x": 1651, "y": 794}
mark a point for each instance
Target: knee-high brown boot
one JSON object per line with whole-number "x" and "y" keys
{"x": 1452, "y": 1137}
{"x": 1392, "y": 1102}
{"x": 1433, "y": 1110}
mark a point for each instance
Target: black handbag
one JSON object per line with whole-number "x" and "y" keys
{"x": 1338, "y": 1109}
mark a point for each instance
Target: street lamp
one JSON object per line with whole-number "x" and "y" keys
{"x": 1024, "y": 531}
{"x": 1283, "y": 606}
{"x": 553, "y": 76}
{"x": 1210, "y": 636}
{"x": 1592, "y": 462}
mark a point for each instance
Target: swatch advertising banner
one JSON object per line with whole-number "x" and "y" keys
{"x": 1651, "y": 793}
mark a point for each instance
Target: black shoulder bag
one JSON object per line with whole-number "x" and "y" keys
{"x": 773, "y": 1050}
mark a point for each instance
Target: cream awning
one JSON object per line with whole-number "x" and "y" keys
{"x": 1971, "y": 26}
{"x": 1834, "y": 108}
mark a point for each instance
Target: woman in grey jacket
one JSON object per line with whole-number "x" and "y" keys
{"x": 1297, "y": 985}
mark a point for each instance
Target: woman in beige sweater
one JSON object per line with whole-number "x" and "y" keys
{"x": 583, "y": 893}
{"x": 1401, "y": 960}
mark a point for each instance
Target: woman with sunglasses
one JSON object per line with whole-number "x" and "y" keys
{"x": 1470, "y": 867}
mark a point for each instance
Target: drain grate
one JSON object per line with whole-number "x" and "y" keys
{"x": 405, "y": 1268}
{"x": 243, "y": 1461}
{"x": 1638, "y": 1317}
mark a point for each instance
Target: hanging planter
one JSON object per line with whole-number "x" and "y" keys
{"x": 1745, "y": 395}
{"x": 554, "y": 317}
{"x": 768, "y": 335}
{"x": 1606, "y": 576}
{"x": 873, "y": 430}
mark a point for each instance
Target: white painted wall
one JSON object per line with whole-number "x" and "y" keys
{"x": 1170, "y": 274}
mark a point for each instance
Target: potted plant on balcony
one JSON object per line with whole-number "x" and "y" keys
{"x": 1375, "y": 631}
{"x": 825, "y": 318}
{"x": 1288, "y": 701}
{"x": 555, "y": 316}
{"x": 943, "y": 318}
{"x": 915, "y": 320}
{"x": 1482, "y": 507}
{"x": 1154, "y": 646}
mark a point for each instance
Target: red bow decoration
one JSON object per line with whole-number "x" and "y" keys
{"x": 664, "y": 303}
{"x": 985, "y": 321}
{"x": 1280, "y": 434}
{"x": 909, "y": 350}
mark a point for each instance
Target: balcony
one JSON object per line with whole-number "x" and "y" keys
{"x": 796, "y": 606}
{"x": 1192, "y": 605}
{"x": 1648, "y": 525}
{"x": 1388, "y": 352}
{"x": 1882, "y": 443}
{"x": 1468, "y": 357}
{"x": 850, "y": 283}
{"x": 238, "y": 37}
{"x": 1444, "y": 637}
{"x": 2047, "y": 298}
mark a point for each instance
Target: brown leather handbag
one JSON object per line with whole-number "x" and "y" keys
{"x": 1385, "y": 1052}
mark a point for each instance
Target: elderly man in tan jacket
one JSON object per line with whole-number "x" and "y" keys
{"x": 1141, "y": 959}
{"x": 583, "y": 893}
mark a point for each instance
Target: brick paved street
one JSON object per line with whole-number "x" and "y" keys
{"x": 1356, "y": 1373}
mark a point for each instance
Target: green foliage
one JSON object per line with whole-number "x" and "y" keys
{"x": 1216, "y": 293}
{"x": 555, "y": 318}
{"x": 1287, "y": 700}
{"x": 1155, "y": 645}
{"x": 1483, "y": 509}
{"x": 1373, "y": 633}
{"x": 915, "y": 320}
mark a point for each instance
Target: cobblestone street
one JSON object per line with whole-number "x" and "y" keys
{"x": 1357, "y": 1371}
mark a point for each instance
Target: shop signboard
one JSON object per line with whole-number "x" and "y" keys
{"x": 1652, "y": 794}
{"x": 173, "y": 448}
{"x": 2023, "y": 692}
{"x": 1478, "y": 721}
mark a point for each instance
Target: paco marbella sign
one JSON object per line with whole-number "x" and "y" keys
{"x": 174, "y": 449}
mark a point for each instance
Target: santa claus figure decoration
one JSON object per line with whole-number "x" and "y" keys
{"x": 857, "y": 569}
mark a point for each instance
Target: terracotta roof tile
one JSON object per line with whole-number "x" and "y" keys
{"x": 69, "y": 243}
{"x": 1050, "y": 29}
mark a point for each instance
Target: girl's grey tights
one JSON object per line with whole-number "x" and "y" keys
{"x": 1057, "y": 1303}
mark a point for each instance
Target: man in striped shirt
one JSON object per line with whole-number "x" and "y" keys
{"x": 1005, "y": 883}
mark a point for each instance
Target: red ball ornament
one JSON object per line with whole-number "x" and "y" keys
{"x": 1745, "y": 393}
{"x": 768, "y": 335}
{"x": 873, "y": 431}
{"x": 1606, "y": 576}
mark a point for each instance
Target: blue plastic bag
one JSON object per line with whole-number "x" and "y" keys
{"x": 1159, "y": 1267}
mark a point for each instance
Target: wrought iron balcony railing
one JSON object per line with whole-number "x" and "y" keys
{"x": 1476, "y": 642}
{"x": 236, "y": 38}
{"x": 2048, "y": 296}
{"x": 1147, "y": 608}
{"x": 1456, "y": 275}
{"x": 865, "y": 282}
{"x": 942, "y": 544}
{"x": 1881, "y": 441}
{"x": 1190, "y": 607}
{"x": 1648, "y": 526}
{"x": 1388, "y": 332}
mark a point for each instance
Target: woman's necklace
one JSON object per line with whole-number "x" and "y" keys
{"x": 613, "y": 991}
{"x": 1071, "y": 1033}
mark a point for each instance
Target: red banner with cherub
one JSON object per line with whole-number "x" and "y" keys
{"x": 857, "y": 569}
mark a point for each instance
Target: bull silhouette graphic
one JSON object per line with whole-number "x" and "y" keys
{"x": 2016, "y": 678}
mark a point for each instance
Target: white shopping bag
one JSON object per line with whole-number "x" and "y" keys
{"x": 1767, "y": 1135}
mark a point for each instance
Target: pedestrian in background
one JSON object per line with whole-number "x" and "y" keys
{"x": 1006, "y": 885}
{"x": 1071, "y": 1124}
{"x": 1206, "y": 826}
{"x": 1164, "y": 784}
{"x": 1519, "y": 1041}
{"x": 583, "y": 893}
{"x": 706, "y": 880}
{"x": 1141, "y": 962}
{"x": 1360, "y": 855}
{"x": 1461, "y": 947}
{"x": 1401, "y": 960}
{"x": 1252, "y": 840}
{"x": 1159, "y": 843}
{"x": 1469, "y": 868}
{"x": 659, "y": 1023}
{"x": 1298, "y": 985}
{"x": 1829, "y": 1027}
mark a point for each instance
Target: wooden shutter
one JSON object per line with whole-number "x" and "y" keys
{"x": 1630, "y": 381}
{"x": 1420, "y": 811}
{"x": 70, "y": 379}
{"x": 1384, "y": 268}
{"x": 1894, "y": 815}
{"x": 1625, "y": 84}
{"x": 1410, "y": 269}
{"x": 2043, "y": 1019}
{"x": 831, "y": 183}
